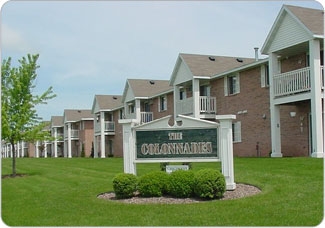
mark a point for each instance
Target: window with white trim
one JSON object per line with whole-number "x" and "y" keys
{"x": 231, "y": 84}
{"x": 236, "y": 132}
{"x": 265, "y": 79}
{"x": 162, "y": 103}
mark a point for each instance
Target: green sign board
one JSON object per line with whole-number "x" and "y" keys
{"x": 186, "y": 143}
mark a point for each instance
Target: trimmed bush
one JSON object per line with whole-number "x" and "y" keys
{"x": 124, "y": 185}
{"x": 181, "y": 183}
{"x": 153, "y": 184}
{"x": 209, "y": 183}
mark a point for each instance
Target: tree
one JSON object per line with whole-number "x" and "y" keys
{"x": 19, "y": 119}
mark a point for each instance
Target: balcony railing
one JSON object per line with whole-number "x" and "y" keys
{"x": 109, "y": 126}
{"x": 146, "y": 117}
{"x": 292, "y": 82}
{"x": 74, "y": 133}
{"x": 184, "y": 106}
{"x": 208, "y": 105}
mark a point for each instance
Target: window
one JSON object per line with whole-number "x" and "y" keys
{"x": 162, "y": 103}
{"x": 121, "y": 114}
{"x": 182, "y": 94}
{"x": 232, "y": 85}
{"x": 236, "y": 132}
{"x": 265, "y": 78}
{"x": 131, "y": 108}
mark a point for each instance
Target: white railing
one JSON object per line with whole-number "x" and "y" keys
{"x": 292, "y": 82}
{"x": 109, "y": 126}
{"x": 184, "y": 106}
{"x": 208, "y": 105}
{"x": 146, "y": 117}
{"x": 74, "y": 133}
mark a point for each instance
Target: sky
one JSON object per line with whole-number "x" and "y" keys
{"x": 92, "y": 47}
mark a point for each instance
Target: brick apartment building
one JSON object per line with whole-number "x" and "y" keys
{"x": 78, "y": 132}
{"x": 107, "y": 110}
{"x": 295, "y": 46}
{"x": 278, "y": 101}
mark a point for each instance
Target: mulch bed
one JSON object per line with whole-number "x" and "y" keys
{"x": 242, "y": 190}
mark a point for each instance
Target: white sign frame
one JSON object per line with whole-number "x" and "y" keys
{"x": 225, "y": 143}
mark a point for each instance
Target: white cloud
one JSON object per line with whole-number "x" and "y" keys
{"x": 13, "y": 40}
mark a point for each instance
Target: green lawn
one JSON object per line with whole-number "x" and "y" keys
{"x": 62, "y": 192}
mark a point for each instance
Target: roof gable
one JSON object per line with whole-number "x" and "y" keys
{"x": 106, "y": 103}
{"x": 312, "y": 19}
{"x": 181, "y": 72}
{"x": 206, "y": 66}
{"x": 292, "y": 26}
{"x": 145, "y": 88}
{"x": 75, "y": 115}
{"x": 57, "y": 121}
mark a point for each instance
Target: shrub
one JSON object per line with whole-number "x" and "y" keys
{"x": 153, "y": 184}
{"x": 124, "y": 185}
{"x": 181, "y": 183}
{"x": 209, "y": 183}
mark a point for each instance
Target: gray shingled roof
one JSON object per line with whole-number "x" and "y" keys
{"x": 109, "y": 101}
{"x": 57, "y": 121}
{"x": 149, "y": 88}
{"x": 209, "y": 65}
{"x": 73, "y": 115}
{"x": 313, "y": 19}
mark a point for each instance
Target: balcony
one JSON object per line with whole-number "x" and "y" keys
{"x": 59, "y": 136}
{"x": 208, "y": 105}
{"x": 73, "y": 133}
{"x": 294, "y": 82}
{"x": 109, "y": 126}
{"x": 185, "y": 106}
{"x": 146, "y": 117}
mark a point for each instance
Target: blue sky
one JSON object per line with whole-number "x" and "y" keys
{"x": 92, "y": 47}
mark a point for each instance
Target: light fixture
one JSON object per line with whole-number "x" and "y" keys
{"x": 293, "y": 114}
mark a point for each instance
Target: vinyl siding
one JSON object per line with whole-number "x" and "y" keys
{"x": 183, "y": 74}
{"x": 289, "y": 33}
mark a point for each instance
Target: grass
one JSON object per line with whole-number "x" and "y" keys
{"x": 62, "y": 192}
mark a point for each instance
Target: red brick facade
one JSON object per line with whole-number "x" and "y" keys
{"x": 255, "y": 123}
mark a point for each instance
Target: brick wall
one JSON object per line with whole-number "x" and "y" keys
{"x": 293, "y": 62}
{"x": 170, "y": 107}
{"x": 254, "y": 99}
{"x": 86, "y": 137}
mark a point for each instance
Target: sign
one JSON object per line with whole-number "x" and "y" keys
{"x": 188, "y": 140}
{"x": 172, "y": 168}
{"x": 189, "y": 143}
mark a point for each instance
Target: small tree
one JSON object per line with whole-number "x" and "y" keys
{"x": 19, "y": 120}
